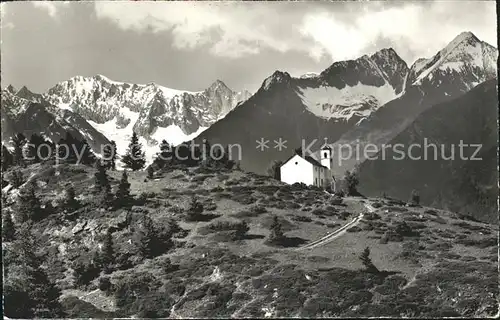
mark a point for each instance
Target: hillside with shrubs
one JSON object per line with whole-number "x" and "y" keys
{"x": 210, "y": 240}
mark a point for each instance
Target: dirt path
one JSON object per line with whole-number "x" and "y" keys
{"x": 337, "y": 233}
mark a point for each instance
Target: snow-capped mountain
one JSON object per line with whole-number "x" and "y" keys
{"x": 24, "y": 116}
{"x": 302, "y": 109}
{"x": 353, "y": 88}
{"x": 154, "y": 112}
{"x": 463, "y": 64}
{"x": 466, "y": 57}
{"x": 367, "y": 100}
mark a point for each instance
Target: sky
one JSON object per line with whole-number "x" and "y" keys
{"x": 187, "y": 45}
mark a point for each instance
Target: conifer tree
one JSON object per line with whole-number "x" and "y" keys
{"x": 34, "y": 150}
{"x": 66, "y": 148}
{"x": 28, "y": 204}
{"x": 237, "y": 165}
{"x": 108, "y": 254}
{"x": 16, "y": 300}
{"x": 217, "y": 157}
{"x": 352, "y": 181}
{"x": 206, "y": 157}
{"x": 274, "y": 169}
{"x": 194, "y": 210}
{"x": 148, "y": 238}
{"x": 42, "y": 293}
{"x": 134, "y": 159}
{"x": 109, "y": 156}
{"x": 18, "y": 141}
{"x": 16, "y": 178}
{"x": 414, "y": 198}
{"x": 31, "y": 150}
{"x": 367, "y": 262}
{"x": 151, "y": 172}
{"x": 165, "y": 154}
{"x": 70, "y": 203}
{"x": 114, "y": 155}
{"x": 102, "y": 187}
{"x": 276, "y": 235}
{"x": 123, "y": 191}
{"x": 100, "y": 178}
{"x": 8, "y": 228}
{"x": 241, "y": 231}
{"x": 87, "y": 156}
{"x": 226, "y": 161}
{"x": 48, "y": 152}
{"x": 7, "y": 158}
{"x": 299, "y": 151}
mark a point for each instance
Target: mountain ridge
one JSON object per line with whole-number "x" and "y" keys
{"x": 449, "y": 74}
{"x": 350, "y": 100}
{"x": 454, "y": 183}
{"x": 153, "y": 111}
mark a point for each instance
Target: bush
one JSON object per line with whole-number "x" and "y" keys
{"x": 339, "y": 193}
{"x": 139, "y": 293}
{"x": 276, "y": 232}
{"x": 481, "y": 243}
{"x": 241, "y": 231}
{"x": 223, "y": 225}
{"x": 367, "y": 227}
{"x": 104, "y": 284}
{"x": 391, "y": 285}
{"x": 371, "y": 216}
{"x": 414, "y": 198}
{"x": 209, "y": 205}
{"x": 300, "y": 218}
{"x": 291, "y": 205}
{"x": 194, "y": 210}
{"x": 344, "y": 215}
{"x": 391, "y": 236}
{"x": 86, "y": 269}
{"x": 298, "y": 186}
{"x": 351, "y": 182}
{"x": 376, "y": 205}
{"x": 16, "y": 179}
{"x": 216, "y": 189}
{"x": 244, "y": 198}
{"x": 258, "y": 209}
{"x": 354, "y": 229}
{"x": 431, "y": 212}
{"x": 319, "y": 212}
{"x": 367, "y": 261}
{"x": 336, "y": 201}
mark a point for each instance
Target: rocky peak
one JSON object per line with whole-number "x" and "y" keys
{"x": 25, "y": 93}
{"x": 10, "y": 88}
{"x": 466, "y": 37}
{"x": 381, "y": 68}
{"x": 219, "y": 87}
{"x": 392, "y": 66}
{"x": 465, "y": 57}
{"x": 276, "y": 77}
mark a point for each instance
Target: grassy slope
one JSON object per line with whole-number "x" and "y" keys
{"x": 446, "y": 267}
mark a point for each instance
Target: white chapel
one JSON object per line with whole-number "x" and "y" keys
{"x": 305, "y": 169}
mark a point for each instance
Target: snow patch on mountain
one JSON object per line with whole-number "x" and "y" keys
{"x": 308, "y": 75}
{"x": 331, "y": 102}
{"x": 174, "y": 135}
